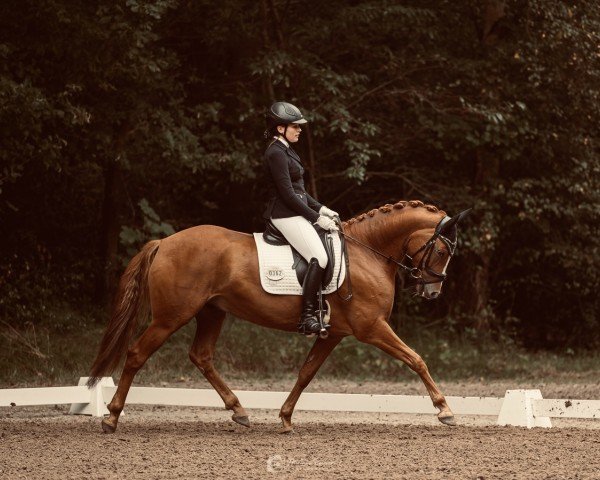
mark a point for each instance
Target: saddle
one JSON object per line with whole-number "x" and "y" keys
{"x": 273, "y": 236}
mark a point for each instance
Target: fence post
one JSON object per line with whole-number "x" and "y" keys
{"x": 517, "y": 409}
{"x": 96, "y": 406}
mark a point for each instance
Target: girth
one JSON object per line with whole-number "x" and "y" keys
{"x": 273, "y": 236}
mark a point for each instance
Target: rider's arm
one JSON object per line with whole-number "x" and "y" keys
{"x": 312, "y": 203}
{"x": 278, "y": 166}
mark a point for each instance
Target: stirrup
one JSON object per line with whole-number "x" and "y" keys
{"x": 303, "y": 327}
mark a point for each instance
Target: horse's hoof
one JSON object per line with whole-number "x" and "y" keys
{"x": 287, "y": 425}
{"x": 287, "y": 429}
{"x": 448, "y": 420}
{"x": 107, "y": 427}
{"x": 242, "y": 420}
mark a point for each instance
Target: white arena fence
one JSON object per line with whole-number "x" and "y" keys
{"x": 522, "y": 408}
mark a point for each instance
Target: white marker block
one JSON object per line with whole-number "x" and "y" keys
{"x": 517, "y": 410}
{"x": 96, "y": 406}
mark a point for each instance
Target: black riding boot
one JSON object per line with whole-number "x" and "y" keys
{"x": 309, "y": 322}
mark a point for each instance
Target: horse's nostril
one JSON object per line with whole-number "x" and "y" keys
{"x": 434, "y": 294}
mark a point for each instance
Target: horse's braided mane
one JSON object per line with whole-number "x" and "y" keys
{"x": 388, "y": 207}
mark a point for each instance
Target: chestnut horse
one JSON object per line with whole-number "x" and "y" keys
{"x": 207, "y": 271}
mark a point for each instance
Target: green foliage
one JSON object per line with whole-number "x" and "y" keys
{"x": 134, "y": 238}
{"x": 435, "y": 100}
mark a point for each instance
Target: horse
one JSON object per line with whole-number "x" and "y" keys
{"x": 205, "y": 272}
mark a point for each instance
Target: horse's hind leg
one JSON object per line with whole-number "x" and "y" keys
{"x": 317, "y": 355}
{"x": 382, "y": 336}
{"x": 155, "y": 335}
{"x": 209, "y": 322}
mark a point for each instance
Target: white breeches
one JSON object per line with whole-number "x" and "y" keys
{"x": 303, "y": 237}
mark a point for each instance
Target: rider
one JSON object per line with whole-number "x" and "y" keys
{"x": 292, "y": 210}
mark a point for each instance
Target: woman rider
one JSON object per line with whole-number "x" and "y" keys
{"x": 292, "y": 210}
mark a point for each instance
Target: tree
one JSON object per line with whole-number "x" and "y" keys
{"x": 159, "y": 105}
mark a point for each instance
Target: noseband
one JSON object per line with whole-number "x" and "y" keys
{"x": 407, "y": 262}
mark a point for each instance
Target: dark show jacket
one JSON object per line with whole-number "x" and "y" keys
{"x": 290, "y": 198}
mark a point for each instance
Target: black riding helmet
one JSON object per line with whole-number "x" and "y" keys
{"x": 282, "y": 113}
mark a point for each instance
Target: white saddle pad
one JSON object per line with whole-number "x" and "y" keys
{"x": 275, "y": 266}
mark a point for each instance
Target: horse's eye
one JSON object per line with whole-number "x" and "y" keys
{"x": 440, "y": 253}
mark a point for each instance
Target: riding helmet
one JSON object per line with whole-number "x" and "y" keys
{"x": 284, "y": 113}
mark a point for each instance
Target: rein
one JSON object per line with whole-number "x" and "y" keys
{"x": 415, "y": 272}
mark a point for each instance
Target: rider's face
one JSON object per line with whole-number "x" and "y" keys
{"x": 292, "y": 134}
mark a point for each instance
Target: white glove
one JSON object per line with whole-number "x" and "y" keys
{"x": 328, "y": 212}
{"x": 326, "y": 223}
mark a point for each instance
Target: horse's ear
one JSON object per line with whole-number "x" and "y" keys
{"x": 448, "y": 226}
{"x": 462, "y": 214}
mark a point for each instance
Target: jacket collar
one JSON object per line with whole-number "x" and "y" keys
{"x": 283, "y": 140}
{"x": 289, "y": 150}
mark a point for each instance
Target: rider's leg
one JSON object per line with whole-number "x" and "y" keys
{"x": 309, "y": 323}
{"x": 305, "y": 239}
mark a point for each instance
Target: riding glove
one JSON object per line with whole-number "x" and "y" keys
{"x": 326, "y": 223}
{"x": 328, "y": 212}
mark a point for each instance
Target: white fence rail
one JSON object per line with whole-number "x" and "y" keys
{"x": 567, "y": 408}
{"x": 11, "y": 397}
{"x": 524, "y": 408}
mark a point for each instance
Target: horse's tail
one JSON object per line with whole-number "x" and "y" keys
{"x": 131, "y": 307}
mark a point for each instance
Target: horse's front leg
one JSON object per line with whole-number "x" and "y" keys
{"x": 317, "y": 355}
{"x": 382, "y": 336}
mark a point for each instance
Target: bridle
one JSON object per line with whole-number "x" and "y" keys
{"x": 429, "y": 248}
{"x": 407, "y": 262}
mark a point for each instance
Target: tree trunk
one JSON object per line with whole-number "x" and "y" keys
{"x": 270, "y": 92}
{"x": 493, "y": 14}
{"x": 478, "y": 298}
{"x": 312, "y": 165}
{"x": 486, "y": 170}
{"x": 475, "y": 291}
{"x": 108, "y": 241}
{"x": 110, "y": 226}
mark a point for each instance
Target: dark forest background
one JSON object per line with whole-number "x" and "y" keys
{"x": 122, "y": 121}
